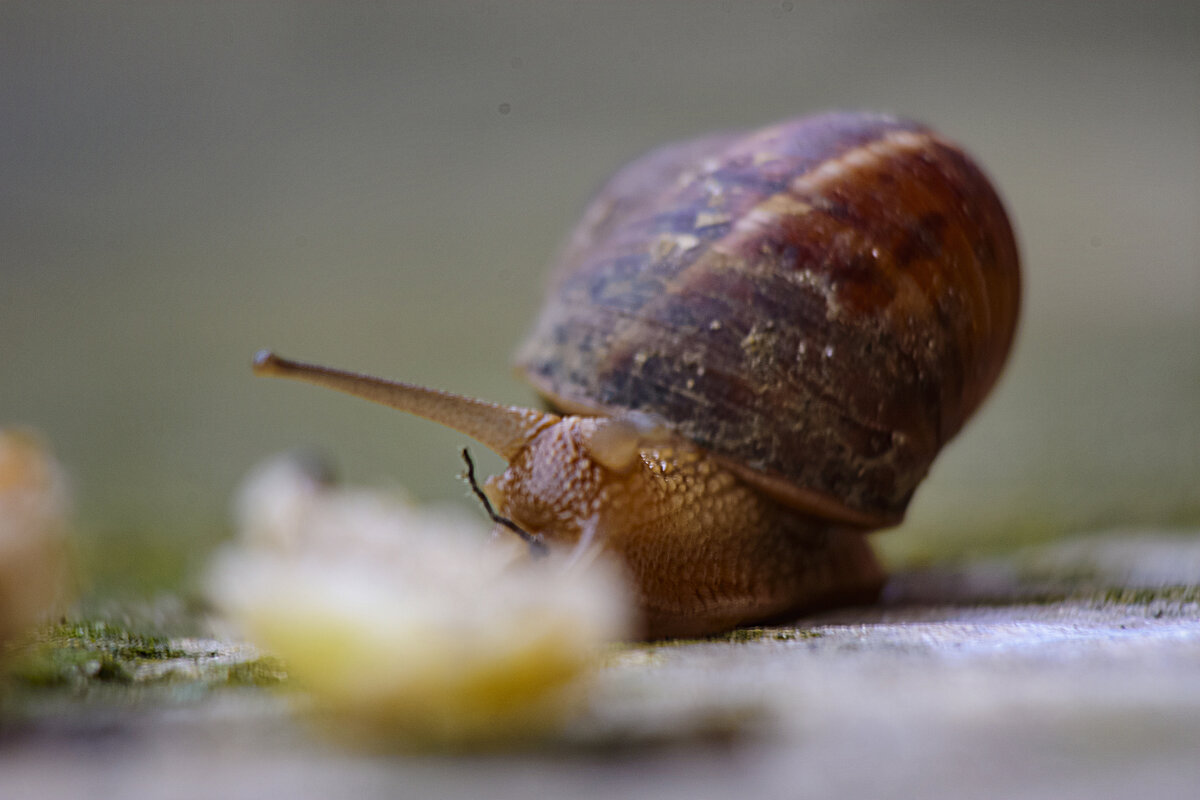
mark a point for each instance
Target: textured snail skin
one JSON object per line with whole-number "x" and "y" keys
{"x": 704, "y": 550}
{"x": 819, "y": 304}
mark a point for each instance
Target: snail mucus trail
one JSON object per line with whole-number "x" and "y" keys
{"x": 755, "y": 344}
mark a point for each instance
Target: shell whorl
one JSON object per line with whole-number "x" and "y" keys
{"x": 821, "y": 303}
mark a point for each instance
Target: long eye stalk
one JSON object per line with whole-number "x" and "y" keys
{"x": 505, "y": 430}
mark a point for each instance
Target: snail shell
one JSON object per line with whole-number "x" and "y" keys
{"x": 820, "y": 304}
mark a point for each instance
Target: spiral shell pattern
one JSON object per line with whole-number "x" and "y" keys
{"x": 821, "y": 304}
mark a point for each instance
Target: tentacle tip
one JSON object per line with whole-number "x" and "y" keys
{"x": 265, "y": 363}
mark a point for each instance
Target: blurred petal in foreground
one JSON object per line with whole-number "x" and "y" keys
{"x": 408, "y": 620}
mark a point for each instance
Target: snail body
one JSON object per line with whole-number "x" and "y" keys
{"x": 754, "y": 346}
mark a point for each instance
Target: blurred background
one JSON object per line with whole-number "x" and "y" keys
{"x": 380, "y": 187}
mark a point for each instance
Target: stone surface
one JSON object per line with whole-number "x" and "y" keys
{"x": 1070, "y": 670}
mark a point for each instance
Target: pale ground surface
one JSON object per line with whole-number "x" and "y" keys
{"x": 1068, "y": 670}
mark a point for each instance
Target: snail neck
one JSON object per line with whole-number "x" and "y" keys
{"x": 506, "y": 430}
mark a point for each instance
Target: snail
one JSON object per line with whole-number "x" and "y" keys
{"x": 752, "y": 349}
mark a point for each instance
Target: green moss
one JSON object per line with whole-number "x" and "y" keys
{"x": 739, "y": 635}
{"x": 73, "y": 653}
{"x": 100, "y": 659}
{"x": 742, "y": 635}
{"x": 795, "y": 634}
{"x": 43, "y": 670}
{"x": 113, "y": 671}
{"x": 106, "y": 637}
{"x": 260, "y": 672}
{"x": 1171, "y": 595}
{"x": 735, "y": 636}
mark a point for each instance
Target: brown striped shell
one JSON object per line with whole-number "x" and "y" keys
{"x": 821, "y": 304}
